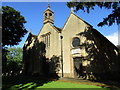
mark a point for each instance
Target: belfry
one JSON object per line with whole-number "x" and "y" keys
{"x": 48, "y": 15}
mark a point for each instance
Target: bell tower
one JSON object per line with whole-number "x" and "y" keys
{"x": 48, "y": 15}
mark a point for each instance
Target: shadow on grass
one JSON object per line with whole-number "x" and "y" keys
{"x": 114, "y": 85}
{"x": 109, "y": 84}
{"x": 23, "y": 82}
{"x": 26, "y": 83}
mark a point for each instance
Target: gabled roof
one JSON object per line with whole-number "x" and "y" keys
{"x": 101, "y": 38}
{"x": 29, "y": 37}
{"x": 82, "y": 20}
{"x": 32, "y": 35}
{"x": 48, "y": 10}
{"x": 58, "y": 29}
{"x": 78, "y": 18}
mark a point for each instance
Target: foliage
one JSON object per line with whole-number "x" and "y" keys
{"x": 55, "y": 63}
{"x": 112, "y": 18}
{"x": 13, "y": 30}
{"x": 13, "y": 64}
{"x": 12, "y": 26}
{"x": 14, "y": 54}
{"x": 4, "y": 60}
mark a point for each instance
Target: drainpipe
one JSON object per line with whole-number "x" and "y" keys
{"x": 61, "y": 37}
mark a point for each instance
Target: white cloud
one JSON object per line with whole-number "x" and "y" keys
{"x": 113, "y": 38}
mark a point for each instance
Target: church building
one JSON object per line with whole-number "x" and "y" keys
{"x": 75, "y": 50}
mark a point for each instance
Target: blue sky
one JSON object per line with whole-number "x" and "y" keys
{"x": 33, "y": 13}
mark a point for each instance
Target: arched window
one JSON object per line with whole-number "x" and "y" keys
{"x": 76, "y": 42}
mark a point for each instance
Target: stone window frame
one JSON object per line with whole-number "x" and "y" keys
{"x": 46, "y": 39}
{"x": 72, "y": 42}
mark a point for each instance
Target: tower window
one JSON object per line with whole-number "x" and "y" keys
{"x": 50, "y": 14}
{"x": 45, "y": 14}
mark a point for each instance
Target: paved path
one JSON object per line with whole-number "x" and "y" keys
{"x": 108, "y": 84}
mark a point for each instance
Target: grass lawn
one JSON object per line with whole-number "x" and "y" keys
{"x": 15, "y": 83}
{"x": 58, "y": 84}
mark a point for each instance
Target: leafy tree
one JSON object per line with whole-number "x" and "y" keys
{"x": 12, "y": 26}
{"x": 112, "y": 18}
{"x": 13, "y": 30}
{"x": 4, "y": 60}
{"x": 14, "y": 61}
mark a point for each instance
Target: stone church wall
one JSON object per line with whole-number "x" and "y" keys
{"x": 100, "y": 58}
{"x": 102, "y": 55}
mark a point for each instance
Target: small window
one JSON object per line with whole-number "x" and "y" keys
{"x": 50, "y": 14}
{"x": 45, "y": 14}
{"x": 76, "y": 42}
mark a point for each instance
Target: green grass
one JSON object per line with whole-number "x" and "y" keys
{"x": 53, "y": 84}
{"x": 15, "y": 83}
{"x": 58, "y": 84}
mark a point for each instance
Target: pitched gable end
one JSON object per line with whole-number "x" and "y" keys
{"x": 74, "y": 16}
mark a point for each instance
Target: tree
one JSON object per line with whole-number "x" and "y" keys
{"x": 13, "y": 28}
{"x": 4, "y": 60}
{"x": 14, "y": 62}
{"x": 12, "y": 31}
{"x": 112, "y": 18}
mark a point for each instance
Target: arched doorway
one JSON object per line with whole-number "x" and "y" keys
{"x": 78, "y": 68}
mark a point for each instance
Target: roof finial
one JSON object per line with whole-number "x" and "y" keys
{"x": 72, "y": 9}
{"x": 30, "y": 30}
{"x": 48, "y": 4}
